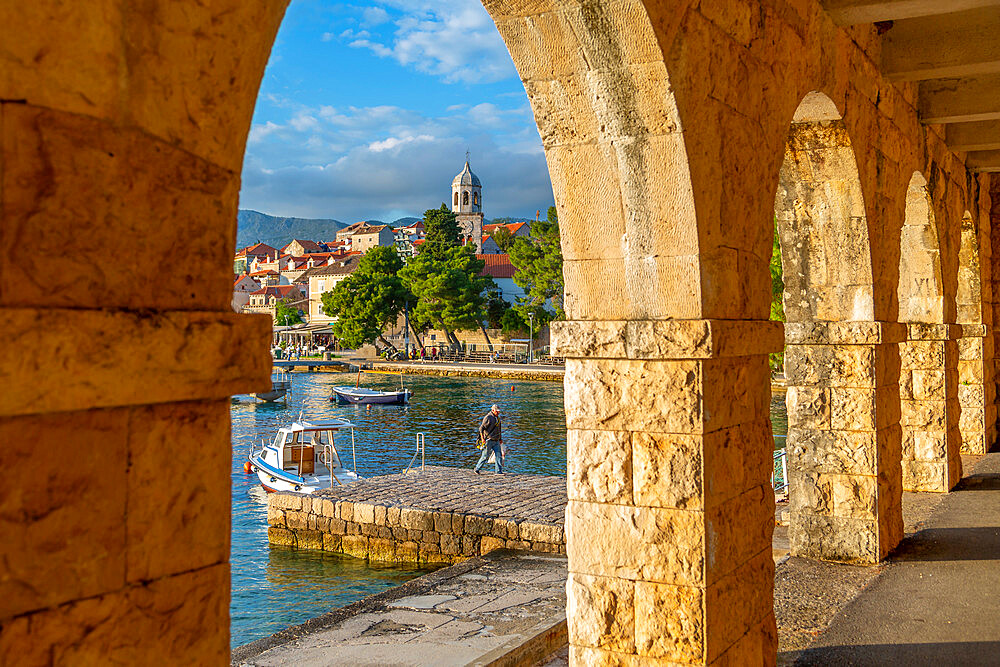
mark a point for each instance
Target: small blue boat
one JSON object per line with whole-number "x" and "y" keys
{"x": 364, "y": 395}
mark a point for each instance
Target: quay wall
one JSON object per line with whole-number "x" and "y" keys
{"x": 394, "y": 534}
{"x": 555, "y": 375}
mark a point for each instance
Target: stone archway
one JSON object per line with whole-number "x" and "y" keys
{"x": 929, "y": 410}
{"x": 843, "y": 434}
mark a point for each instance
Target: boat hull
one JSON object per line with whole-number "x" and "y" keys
{"x": 274, "y": 481}
{"x": 351, "y": 395}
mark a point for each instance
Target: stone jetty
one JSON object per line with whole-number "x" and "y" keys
{"x": 429, "y": 515}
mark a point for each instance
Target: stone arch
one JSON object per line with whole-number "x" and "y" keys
{"x": 465, "y": 198}
{"x": 975, "y": 387}
{"x": 927, "y": 383}
{"x": 843, "y": 490}
{"x": 456, "y": 199}
{"x": 921, "y": 287}
{"x": 649, "y": 381}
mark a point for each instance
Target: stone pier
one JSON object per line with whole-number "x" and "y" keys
{"x": 431, "y": 515}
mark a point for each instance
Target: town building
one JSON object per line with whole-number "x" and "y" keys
{"x": 323, "y": 279}
{"x": 265, "y": 300}
{"x": 372, "y": 236}
{"x": 298, "y": 247}
{"x": 246, "y": 256}
{"x": 467, "y": 205}
{"x": 499, "y": 268}
{"x": 490, "y": 246}
{"x": 405, "y": 239}
{"x": 243, "y": 286}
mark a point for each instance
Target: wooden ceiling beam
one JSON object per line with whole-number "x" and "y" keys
{"x": 984, "y": 161}
{"x": 966, "y": 137}
{"x": 949, "y": 45}
{"x": 960, "y": 100}
{"x": 851, "y": 12}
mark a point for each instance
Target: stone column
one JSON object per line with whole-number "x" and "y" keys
{"x": 929, "y": 407}
{"x": 978, "y": 414}
{"x": 670, "y": 511}
{"x": 845, "y": 493}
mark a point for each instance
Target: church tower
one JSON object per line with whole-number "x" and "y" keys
{"x": 467, "y": 205}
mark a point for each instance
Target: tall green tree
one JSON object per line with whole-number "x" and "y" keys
{"x": 538, "y": 259}
{"x": 285, "y": 314}
{"x": 444, "y": 279}
{"x": 503, "y": 238}
{"x": 368, "y": 300}
{"x": 441, "y": 228}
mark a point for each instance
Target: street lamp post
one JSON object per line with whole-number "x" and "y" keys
{"x": 531, "y": 337}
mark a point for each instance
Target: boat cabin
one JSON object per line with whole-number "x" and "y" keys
{"x": 306, "y": 448}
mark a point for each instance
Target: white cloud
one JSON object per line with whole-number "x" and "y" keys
{"x": 453, "y": 39}
{"x": 374, "y": 162}
{"x": 395, "y": 142}
{"x": 373, "y": 16}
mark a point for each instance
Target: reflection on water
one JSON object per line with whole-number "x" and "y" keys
{"x": 274, "y": 587}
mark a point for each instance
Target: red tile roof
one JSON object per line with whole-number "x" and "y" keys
{"x": 280, "y": 291}
{"x": 513, "y": 227}
{"x": 497, "y": 266}
{"x": 308, "y": 246}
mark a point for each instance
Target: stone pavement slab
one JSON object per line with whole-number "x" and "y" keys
{"x": 472, "y": 613}
{"x": 936, "y": 602}
{"x": 441, "y": 489}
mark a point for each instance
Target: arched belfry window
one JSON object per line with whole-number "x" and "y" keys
{"x": 465, "y": 198}
{"x": 456, "y": 199}
{"x": 475, "y": 198}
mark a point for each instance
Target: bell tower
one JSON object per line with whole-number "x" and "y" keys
{"x": 467, "y": 205}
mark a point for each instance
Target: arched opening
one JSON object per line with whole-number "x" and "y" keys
{"x": 927, "y": 381}
{"x": 975, "y": 385}
{"x": 465, "y": 198}
{"x": 475, "y": 198}
{"x": 456, "y": 199}
{"x": 844, "y": 493}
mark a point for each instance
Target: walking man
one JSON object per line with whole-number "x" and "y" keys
{"x": 489, "y": 435}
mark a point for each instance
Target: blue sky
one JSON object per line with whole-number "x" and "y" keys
{"x": 366, "y": 111}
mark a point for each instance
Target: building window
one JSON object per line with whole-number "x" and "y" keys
{"x": 456, "y": 199}
{"x": 465, "y": 198}
{"x": 475, "y": 199}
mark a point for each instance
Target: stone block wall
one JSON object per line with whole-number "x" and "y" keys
{"x": 929, "y": 407}
{"x": 974, "y": 387}
{"x": 394, "y": 534}
{"x": 119, "y": 180}
{"x": 845, "y": 491}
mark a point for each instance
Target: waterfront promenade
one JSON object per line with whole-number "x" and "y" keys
{"x": 463, "y": 369}
{"x": 428, "y": 515}
{"x": 504, "y": 609}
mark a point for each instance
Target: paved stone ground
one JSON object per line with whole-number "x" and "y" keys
{"x": 936, "y": 601}
{"x": 468, "y": 614}
{"x": 533, "y": 498}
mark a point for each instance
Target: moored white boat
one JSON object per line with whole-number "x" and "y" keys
{"x": 303, "y": 457}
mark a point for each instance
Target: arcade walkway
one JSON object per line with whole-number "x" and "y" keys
{"x": 938, "y": 601}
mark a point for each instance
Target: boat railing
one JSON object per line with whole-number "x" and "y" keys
{"x": 419, "y": 451}
{"x": 779, "y": 473}
{"x": 327, "y": 458}
{"x": 254, "y": 450}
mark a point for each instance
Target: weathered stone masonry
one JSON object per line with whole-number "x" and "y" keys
{"x": 430, "y": 515}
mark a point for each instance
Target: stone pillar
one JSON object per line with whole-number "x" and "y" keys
{"x": 977, "y": 420}
{"x": 845, "y": 493}
{"x": 670, "y": 511}
{"x": 928, "y": 391}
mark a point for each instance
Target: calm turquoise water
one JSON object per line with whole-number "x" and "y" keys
{"x": 275, "y": 587}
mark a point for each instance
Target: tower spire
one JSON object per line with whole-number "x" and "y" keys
{"x": 467, "y": 156}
